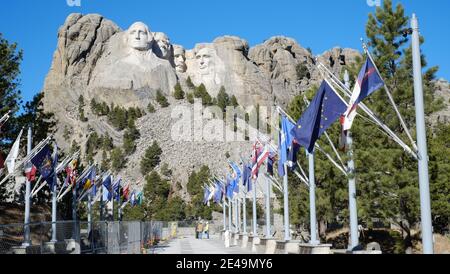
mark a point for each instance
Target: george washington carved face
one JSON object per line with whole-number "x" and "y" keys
{"x": 139, "y": 37}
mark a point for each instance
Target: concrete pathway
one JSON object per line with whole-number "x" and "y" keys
{"x": 190, "y": 245}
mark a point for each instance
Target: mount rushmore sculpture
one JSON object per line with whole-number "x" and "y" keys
{"x": 95, "y": 58}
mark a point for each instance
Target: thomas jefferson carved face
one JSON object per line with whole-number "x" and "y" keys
{"x": 139, "y": 36}
{"x": 204, "y": 57}
{"x": 179, "y": 58}
{"x": 163, "y": 43}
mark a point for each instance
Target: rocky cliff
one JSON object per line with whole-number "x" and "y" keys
{"x": 97, "y": 59}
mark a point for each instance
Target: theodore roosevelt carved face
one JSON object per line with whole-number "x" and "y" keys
{"x": 179, "y": 58}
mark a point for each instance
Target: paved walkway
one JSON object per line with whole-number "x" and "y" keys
{"x": 190, "y": 245}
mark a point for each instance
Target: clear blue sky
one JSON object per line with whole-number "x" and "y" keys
{"x": 318, "y": 24}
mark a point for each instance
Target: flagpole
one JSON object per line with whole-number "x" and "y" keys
{"x": 27, "y": 241}
{"x": 89, "y": 204}
{"x": 74, "y": 210}
{"x": 312, "y": 200}
{"x": 224, "y": 209}
{"x": 244, "y": 208}
{"x": 54, "y": 205}
{"x": 229, "y": 214}
{"x": 255, "y": 224}
{"x": 236, "y": 215}
{"x": 268, "y": 232}
{"x": 101, "y": 201}
{"x": 353, "y": 209}
{"x": 425, "y": 205}
{"x": 287, "y": 232}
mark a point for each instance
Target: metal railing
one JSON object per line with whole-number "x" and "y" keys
{"x": 102, "y": 237}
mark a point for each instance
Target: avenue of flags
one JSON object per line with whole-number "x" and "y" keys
{"x": 43, "y": 161}
{"x": 326, "y": 108}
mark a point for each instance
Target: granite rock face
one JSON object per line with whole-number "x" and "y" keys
{"x": 97, "y": 59}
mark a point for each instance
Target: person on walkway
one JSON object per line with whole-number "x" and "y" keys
{"x": 200, "y": 230}
{"x": 206, "y": 230}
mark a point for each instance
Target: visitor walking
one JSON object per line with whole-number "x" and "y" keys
{"x": 200, "y": 230}
{"x": 206, "y": 230}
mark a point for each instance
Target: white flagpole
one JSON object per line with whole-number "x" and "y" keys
{"x": 27, "y": 239}
{"x": 268, "y": 222}
{"x": 354, "y": 241}
{"x": 425, "y": 204}
{"x": 255, "y": 221}
{"x": 312, "y": 201}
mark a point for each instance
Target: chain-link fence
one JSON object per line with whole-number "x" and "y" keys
{"x": 84, "y": 237}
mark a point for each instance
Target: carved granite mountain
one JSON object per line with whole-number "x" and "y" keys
{"x": 96, "y": 59}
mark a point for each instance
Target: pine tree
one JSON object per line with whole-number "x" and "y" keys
{"x": 10, "y": 95}
{"x": 179, "y": 93}
{"x": 189, "y": 83}
{"x": 43, "y": 122}
{"x": 151, "y": 159}
{"x": 117, "y": 159}
{"x": 151, "y": 108}
{"x": 223, "y": 99}
{"x": 161, "y": 99}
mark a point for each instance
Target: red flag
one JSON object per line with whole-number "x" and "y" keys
{"x": 30, "y": 172}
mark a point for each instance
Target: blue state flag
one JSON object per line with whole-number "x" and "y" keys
{"x": 218, "y": 192}
{"x": 229, "y": 187}
{"x": 324, "y": 110}
{"x": 286, "y": 140}
{"x": 45, "y": 164}
{"x": 369, "y": 80}
{"x": 116, "y": 189}
{"x": 107, "y": 188}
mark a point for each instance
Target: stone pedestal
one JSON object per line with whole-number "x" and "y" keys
{"x": 292, "y": 247}
{"x": 255, "y": 243}
{"x": 244, "y": 241}
{"x": 227, "y": 238}
{"x": 20, "y": 250}
{"x": 72, "y": 246}
{"x": 49, "y": 248}
{"x": 235, "y": 239}
{"x": 280, "y": 247}
{"x": 366, "y": 252}
{"x": 315, "y": 248}
{"x": 261, "y": 246}
{"x": 271, "y": 246}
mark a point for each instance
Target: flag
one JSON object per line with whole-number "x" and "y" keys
{"x": 133, "y": 199}
{"x": 126, "y": 192}
{"x": 139, "y": 198}
{"x": 107, "y": 188}
{"x": 206, "y": 195}
{"x": 44, "y": 163}
{"x": 236, "y": 176}
{"x": 218, "y": 193}
{"x": 116, "y": 190}
{"x": 262, "y": 156}
{"x": 229, "y": 187}
{"x": 90, "y": 179}
{"x": 285, "y": 139}
{"x": 368, "y": 82}
{"x": 324, "y": 110}
{"x": 12, "y": 156}
{"x": 30, "y": 172}
{"x": 246, "y": 176}
{"x": 270, "y": 162}
{"x": 292, "y": 155}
